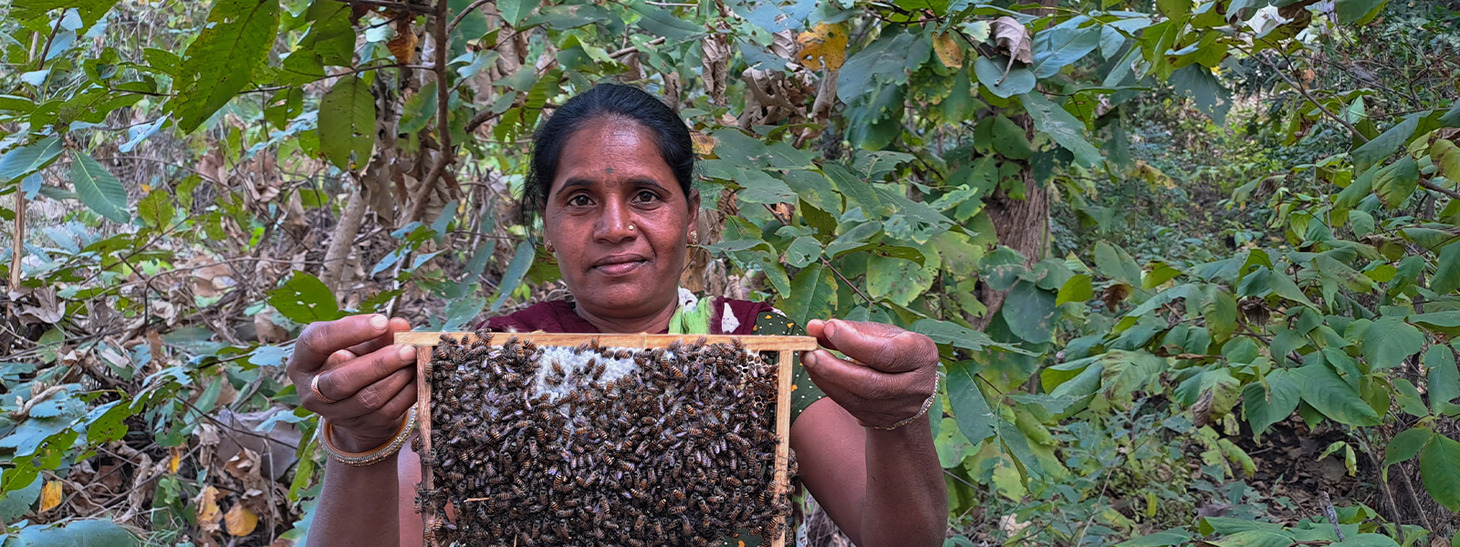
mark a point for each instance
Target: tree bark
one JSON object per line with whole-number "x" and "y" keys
{"x": 1020, "y": 224}
{"x": 337, "y": 257}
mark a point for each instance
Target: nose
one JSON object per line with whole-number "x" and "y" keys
{"x": 616, "y": 224}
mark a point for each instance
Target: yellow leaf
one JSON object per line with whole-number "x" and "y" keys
{"x": 50, "y": 495}
{"x": 176, "y": 460}
{"x": 704, "y": 144}
{"x": 824, "y": 46}
{"x": 240, "y": 521}
{"x": 208, "y": 512}
{"x": 948, "y": 51}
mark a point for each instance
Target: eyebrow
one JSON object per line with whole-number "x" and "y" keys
{"x": 578, "y": 182}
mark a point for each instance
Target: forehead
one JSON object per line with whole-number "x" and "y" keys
{"x": 608, "y": 150}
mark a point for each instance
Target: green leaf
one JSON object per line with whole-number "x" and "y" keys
{"x": 1438, "y": 461}
{"x": 1174, "y": 9}
{"x": 347, "y": 123}
{"x": 156, "y": 210}
{"x": 99, "y": 189}
{"x": 1114, "y": 263}
{"x": 1322, "y": 388}
{"x": 896, "y": 279}
{"x": 1406, "y": 445}
{"x": 812, "y": 295}
{"x": 1389, "y": 341}
{"x": 305, "y": 299}
{"x": 1444, "y": 380}
{"x": 1256, "y": 538}
{"x": 20, "y": 162}
{"x": 1219, "y": 309}
{"x": 1357, "y": 11}
{"x": 79, "y": 533}
{"x": 1394, "y": 183}
{"x": 1447, "y": 270}
{"x": 220, "y": 62}
{"x": 970, "y": 409}
{"x": 1270, "y": 404}
{"x": 1030, "y": 312}
{"x": 884, "y": 60}
{"x": 945, "y": 332}
{"x": 802, "y": 251}
{"x": 89, "y": 10}
{"x": 990, "y": 73}
{"x": 521, "y": 262}
{"x": 1284, "y": 286}
{"x": 1381, "y": 147}
{"x": 1008, "y": 138}
{"x": 17, "y": 502}
{"x": 1210, "y": 97}
{"x": 1446, "y": 156}
{"x": 514, "y": 11}
{"x": 1061, "y": 126}
{"x": 1366, "y": 540}
{"x": 1058, "y": 46}
{"x": 1076, "y": 289}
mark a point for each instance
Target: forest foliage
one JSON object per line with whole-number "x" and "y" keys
{"x": 1240, "y": 238}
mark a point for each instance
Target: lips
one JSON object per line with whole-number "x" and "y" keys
{"x": 619, "y": 264}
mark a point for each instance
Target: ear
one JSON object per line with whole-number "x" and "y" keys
{"x": 694, "y": 206}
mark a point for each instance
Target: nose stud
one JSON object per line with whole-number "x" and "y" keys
{"x": 632, "y": 227}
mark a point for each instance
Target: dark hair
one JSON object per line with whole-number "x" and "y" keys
{"x": 606, "y": 100}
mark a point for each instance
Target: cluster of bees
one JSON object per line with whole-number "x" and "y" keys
{"x": 534, "y": 447}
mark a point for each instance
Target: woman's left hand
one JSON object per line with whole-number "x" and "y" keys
{"x": 889, "y": 373}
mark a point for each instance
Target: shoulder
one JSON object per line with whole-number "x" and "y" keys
{"x": 550, "y": 316}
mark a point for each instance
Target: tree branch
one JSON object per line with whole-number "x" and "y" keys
{"x": 457, "y": 20}
{"x": 397, "y": 6}
{"x": 443, "y": 121}
{"x": 1335, "y": 117}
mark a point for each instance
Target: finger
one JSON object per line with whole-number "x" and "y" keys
{"x": 385, "y": 422}
{"x": 385, "y": 339}
{"x": 844, "y": 381}
{"x": 339, "y": 358}
{"x": 344, "y": 381}
{"x": 374, "y": 398}
{"x": 321, "y": 339}
{"x": 880, "y": 346}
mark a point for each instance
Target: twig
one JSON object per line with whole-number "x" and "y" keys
{"x": 24, "y": 411}
{"x": 1330, "y": 513}
{"x": 443, "y": 122}
{"x": 635, "y": 49}
{"x": 397, "y": 6}
{"x": 470, "y": 8}
{"x": 1335, "y": 117}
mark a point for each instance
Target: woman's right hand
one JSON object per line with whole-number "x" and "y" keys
{"x": 371, "y": 381}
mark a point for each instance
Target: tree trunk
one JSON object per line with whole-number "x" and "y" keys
{"x": 1021, "y": 224}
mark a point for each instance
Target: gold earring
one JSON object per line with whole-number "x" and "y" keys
{"x": 550, "y": 248}
{"x": 693, "y": 237}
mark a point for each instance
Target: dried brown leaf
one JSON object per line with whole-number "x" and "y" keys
{"x": 403, "y": 46}
{"x": 1012, "y": 38}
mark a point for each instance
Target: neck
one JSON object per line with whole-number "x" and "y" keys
{"x": 658, "y": 322}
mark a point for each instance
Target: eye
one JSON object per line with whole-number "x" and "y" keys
{"x": 579, "y": 200}
{"x": 645, "y": 196}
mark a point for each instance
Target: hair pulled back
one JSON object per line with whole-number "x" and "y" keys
{"x": 607, "y": 100}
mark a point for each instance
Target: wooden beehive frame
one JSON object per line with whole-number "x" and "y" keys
{"x": 783, "y": 346}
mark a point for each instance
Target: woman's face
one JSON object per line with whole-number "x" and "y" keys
{"x": 618, "y": 220}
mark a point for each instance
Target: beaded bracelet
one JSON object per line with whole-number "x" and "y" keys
{"x": 362, "y": 459}
{"x": 926, "y": 405}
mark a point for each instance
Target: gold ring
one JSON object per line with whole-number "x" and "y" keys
{"x": 314, "y": 388}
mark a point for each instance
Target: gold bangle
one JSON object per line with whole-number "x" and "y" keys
{"x": 362, "y": 459}
{"x": 926, "y": 405}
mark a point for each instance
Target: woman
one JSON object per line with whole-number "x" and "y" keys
{"x": 611, "y": 177}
